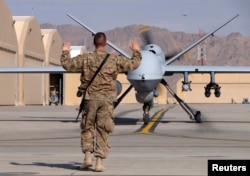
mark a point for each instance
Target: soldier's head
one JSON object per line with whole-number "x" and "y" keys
{"x": 100, "y": 40}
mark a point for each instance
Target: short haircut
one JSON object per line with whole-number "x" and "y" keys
{"x": 100, "y": 39}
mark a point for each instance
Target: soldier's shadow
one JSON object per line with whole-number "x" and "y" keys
{"x": 69, "y": 166}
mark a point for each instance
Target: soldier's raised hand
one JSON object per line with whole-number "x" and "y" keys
{"x": 134, "y": 45}
{"x": 66, "y": 46}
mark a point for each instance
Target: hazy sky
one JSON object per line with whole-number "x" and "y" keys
{"x": 175, "y": 15}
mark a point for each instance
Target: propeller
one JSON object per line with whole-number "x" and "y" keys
{"x": 146, "y": 34}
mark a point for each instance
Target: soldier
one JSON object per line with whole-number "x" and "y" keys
{"x": 99, "y": 96}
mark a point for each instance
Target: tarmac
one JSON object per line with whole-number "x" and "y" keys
{"x": 45, "y": 140}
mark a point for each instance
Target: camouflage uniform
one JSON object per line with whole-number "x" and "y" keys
{"x": 100, "y": 95}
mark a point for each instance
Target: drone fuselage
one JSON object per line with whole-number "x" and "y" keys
{"x": 149, "y": 74}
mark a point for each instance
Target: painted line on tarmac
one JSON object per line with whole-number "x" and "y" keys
{"x": 154, "y": 121}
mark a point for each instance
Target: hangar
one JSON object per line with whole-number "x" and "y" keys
{"x": 23, "y": 43}
{"x": 30, "y": 53}
{"x": 53, "y": 46}
{"x": 8, "y": 53}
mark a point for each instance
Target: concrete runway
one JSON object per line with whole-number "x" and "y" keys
{"x": 36, "y": 140}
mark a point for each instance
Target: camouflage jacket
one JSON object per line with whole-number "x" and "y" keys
{"x": 104, "y": 85}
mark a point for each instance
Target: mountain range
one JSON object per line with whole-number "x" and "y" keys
{"x": 233, "y": 49}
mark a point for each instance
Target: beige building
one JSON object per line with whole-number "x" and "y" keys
{"x": 8, "y": 55}
{"x": 53, "y": 46}
{"x": 30, "y": 53}
{"x": 23, "y": 43}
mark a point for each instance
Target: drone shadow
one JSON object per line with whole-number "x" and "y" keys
{"x": 69, "y": 166}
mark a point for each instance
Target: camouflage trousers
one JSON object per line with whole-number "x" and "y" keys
{"x": 96, "y": 124}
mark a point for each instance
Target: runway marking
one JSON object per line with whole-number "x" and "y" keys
{"x": 149, "y": 128}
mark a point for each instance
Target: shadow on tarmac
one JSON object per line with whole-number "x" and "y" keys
{"x": 69, "y": 166}
{"x": 125, "y": 121}
{"x": 18, "y": 173}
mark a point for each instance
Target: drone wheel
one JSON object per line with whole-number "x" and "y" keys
{"x": 146, "y": 118}
{"x": 197, "y": 117}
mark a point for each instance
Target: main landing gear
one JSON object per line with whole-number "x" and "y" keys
{"x": 194, "y": 115}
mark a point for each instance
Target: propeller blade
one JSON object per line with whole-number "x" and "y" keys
{"x": 146, "y": 34}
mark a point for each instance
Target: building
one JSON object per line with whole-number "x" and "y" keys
{"x": 23, "y": 43}
{"x": 9, "y": 57}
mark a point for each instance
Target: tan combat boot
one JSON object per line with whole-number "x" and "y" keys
{"x": 99, "y": 165}
{"x": 87, "y": 161}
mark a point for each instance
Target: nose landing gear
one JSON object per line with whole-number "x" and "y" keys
{"x": 146, "y": 115}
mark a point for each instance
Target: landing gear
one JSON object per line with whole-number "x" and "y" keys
{"x": 197, "y": 117}
{"x": 194, "y": 115}
{"x": 146, "y": 115}
{"x": 146, "y": 118}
